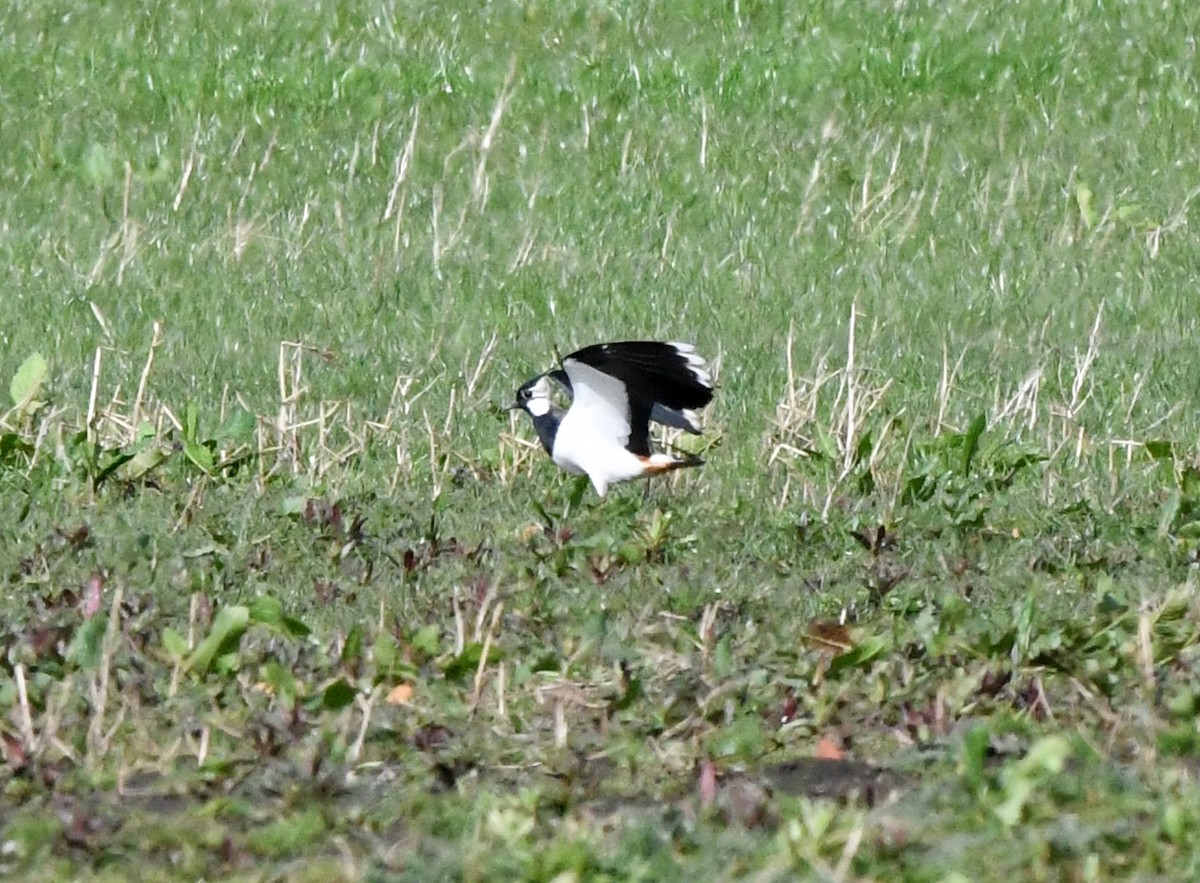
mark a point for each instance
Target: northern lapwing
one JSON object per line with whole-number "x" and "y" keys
{"x": 616, "y": 389}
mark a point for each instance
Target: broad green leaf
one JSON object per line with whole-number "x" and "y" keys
{"x": 1189, "y": 530}
{"x": 1170, "y": 510}
{"x": 466, "y": 663}
{"x": 723, "y": 658}
{"x": 971, "y": 442}
{"x": 1175, "y": 823}
{"x": 743, "y": 738}
{"x": 294, "y": 505}
{"x": 1160, "y": 449}
{"x": 1129, "y": 213}
{"x": 14, "y": 450}
{"x": 384, "y": 653}
{"x": 1189, "y": 483}
{"x": 281, "y": 681}
{"x": 633, "y": 692}
{"x": 226, "y": 633}
{"x": 199, "y": 455}
{"x": 87, "y": 645}
{"x": 174, "y": 643}
{"x": 860, "y": 656}
{"x": 144, "y": 462}
{"x": 1045, "y": 758}
{"x": 1083, "y": 196}
{"x": 295, "y": 627}
{"x": 631, "y": 553}
{"x": 426, "y": 640}
{"x": 862, "y": 451}
{"x": 239, "y": 426}
{"x": 191, "y": 423}
{"x": 353, "y": 648}
{"x": 1017, "y": 794}
{"x": 112, "y": 461}
{"x": 578, "y": 489}
{"x": 972, "y": 757}
{"x": 543, "y": 515}
{"x": 28, "y": 380}
{"x": 548, "y": 661}
{"x": 98, "y": 164}
{"x": 288, "y": 835}
{"x": 226, "y": 662}
{"x": 268, "y": 611}
{"x": 337, "y": 696}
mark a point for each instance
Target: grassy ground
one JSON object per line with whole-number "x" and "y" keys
{"x": 288, "y": 596}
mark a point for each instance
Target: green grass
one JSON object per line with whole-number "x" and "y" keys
{"x": 288, "y": 596}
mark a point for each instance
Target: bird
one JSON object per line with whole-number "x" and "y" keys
{"x": 674, "y": 418}
{"x": 616, "y": 390}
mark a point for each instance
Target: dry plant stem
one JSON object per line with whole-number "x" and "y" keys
{"x": 394, "y": 206}
{"x": 93, "y": 395}
{"x": 560, "y": 724}
{"x": 481, "y": 364}
{"x": 97, "y": 740}
{"x": 189, "y": 165}
{"x": 202, "y": 748}
{"x": 1023, "y": 403}
{"x": 460, "y": 631}
{"x": 140, "y": 397}
{"x": 1083, "y": 367}
{"x": 708, "y": 621}
{"x": 26, "y": 717}
{"x": 98, "y": 314}
{"x": 479, "y": 184}
{"x": 492, "y": 631}
{"x": 946, "y": 384}
{"x": 44, "y": 429}
{"x": 850, "y": 418}
{"x": 434, "y": 472}
{"x": 367, "y": 705}
{"x": 52, "y": 718}
{"x": 194, "y": 496}
{"x": 450, "y": 411}
{"x": 1145, "y": 650}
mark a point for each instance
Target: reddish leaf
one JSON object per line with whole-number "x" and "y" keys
{"x": 13, "y": 750}
{"x": 993, "y": 682}
{"x": 325, "y": 590}
{"x": 430, "y": 737}
{"x": 708, "y": 783}
{"x": 827, "y": 749}
{"x": 401, "y": 694}
{"x": 828, "y": 635}
{"x": 92, "y": 594}
{"x": 789, "y": 708}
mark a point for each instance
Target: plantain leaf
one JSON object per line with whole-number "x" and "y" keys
{"x": 28, "y": 380}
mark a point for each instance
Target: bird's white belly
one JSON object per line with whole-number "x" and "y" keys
{"x": 604, "y": 460}
{"x": 566, "y": 462}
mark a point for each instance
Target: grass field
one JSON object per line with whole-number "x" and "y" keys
{"x": 290, "y": 597}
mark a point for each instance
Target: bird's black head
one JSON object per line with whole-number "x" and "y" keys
{"x": 535, "y": 396}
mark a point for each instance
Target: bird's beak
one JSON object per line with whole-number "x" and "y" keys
{"x": 513, "y": 407}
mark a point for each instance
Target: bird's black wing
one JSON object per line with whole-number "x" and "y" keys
{"x": 675, "y": 418}
{"x": 667, "y": 374}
